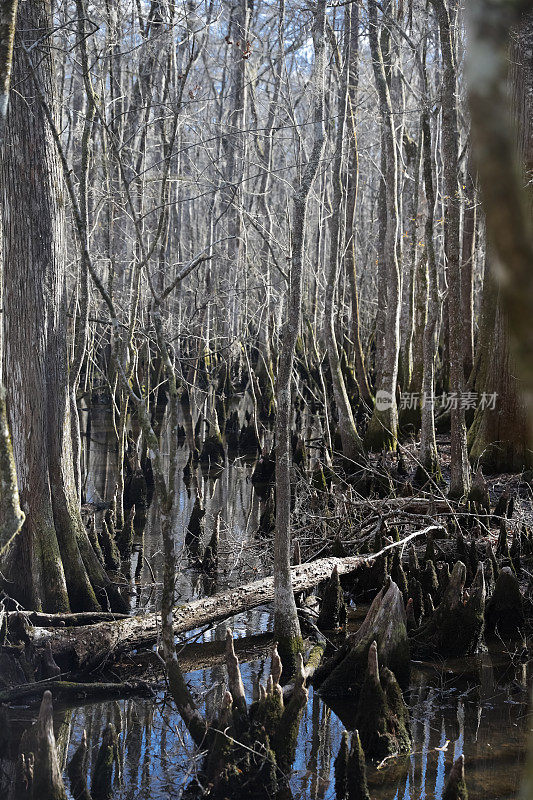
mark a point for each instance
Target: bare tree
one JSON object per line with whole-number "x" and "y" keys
{"x": 460, "y": 470}
{"x": 286, "y": 625}
{"x": 352, "y": 445}
{"x": 383, "y": 427}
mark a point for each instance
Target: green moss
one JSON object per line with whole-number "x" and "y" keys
{"x": 267, "y": 713}
{"x": 288, "y": 648}
{"x": 385, "y": 623}
{"x": 341, "y": 768}
{"x": 398, "y": 575}
{"x": 398, "y": 711}
{"x": 356, "y": 771}
{"x": 102, "y": 777}
{"x": 285, "y": 740}
{"x": 380, "y": 434}
{"x": 381, "y": 717}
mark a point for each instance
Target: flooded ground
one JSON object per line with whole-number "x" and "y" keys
{"x": 476, "y": 709}
{"x": 476, "y": 706}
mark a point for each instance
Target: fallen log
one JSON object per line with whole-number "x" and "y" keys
{"x": 414, "y": 505}
{"x": 87, "y": 646}
{"x": 42, "y": 620}
{"x": 73, "y": 691}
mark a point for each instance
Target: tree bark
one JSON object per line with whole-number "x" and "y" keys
{"x": 351, "y": 23}
{"x": 286, "y": 625}
{"x": 428, "y": 456}
{"x": 460, "y": 469}
{"x": 8, "y": 16}
{"x": 46, "y": 566}
{"x": 499, "y": 436}
{"x": 468, "y": 249}
{"x": 383, "y": 427}
{"x": 352, "y": 446}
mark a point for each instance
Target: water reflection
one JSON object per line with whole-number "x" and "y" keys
{"x": 476, "y": 706}
{"x": 452, "y": 712}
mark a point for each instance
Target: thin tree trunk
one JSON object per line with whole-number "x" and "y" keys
{"x": 352, "y": 445}
{"x": 460, "y": 468}
{"x": 383, "y": 427}
{"x": 468, "y": 250}
{"x": 8, "y": 16}
{"x": 351, "y": 23}
{"x": 428, "y": 456}
{"x": 286, "y": 625}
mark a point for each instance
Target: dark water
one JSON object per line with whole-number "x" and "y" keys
{"x": 476, "y": 706}
{"x": 482, "y": 714}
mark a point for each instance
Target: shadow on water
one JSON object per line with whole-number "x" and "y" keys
{"x": 475, "y": 706}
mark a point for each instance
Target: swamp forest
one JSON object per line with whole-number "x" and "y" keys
{"x": 266, "y": 399}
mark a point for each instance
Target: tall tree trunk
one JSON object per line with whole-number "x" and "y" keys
{"x": 46, "y": 568}
{"x": 468, "y": 249}
{"x": 286, "y": 625}
{"x": 352, "y": 445}
{"x": 498, "y": 437}
{"x": 351, "y": 23}
{"x": 236, "y": 154}
{"x": 414, "y": 307}
{"x": 11, "y": 515}
{"x": 428, "y": 457}
{"x": 383, "y": 427}
{"x": 460, "y": 469}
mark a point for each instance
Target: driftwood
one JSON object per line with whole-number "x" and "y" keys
{"x": 40, "y": 619}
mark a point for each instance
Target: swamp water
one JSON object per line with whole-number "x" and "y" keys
{"x": 476, "y": 706}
